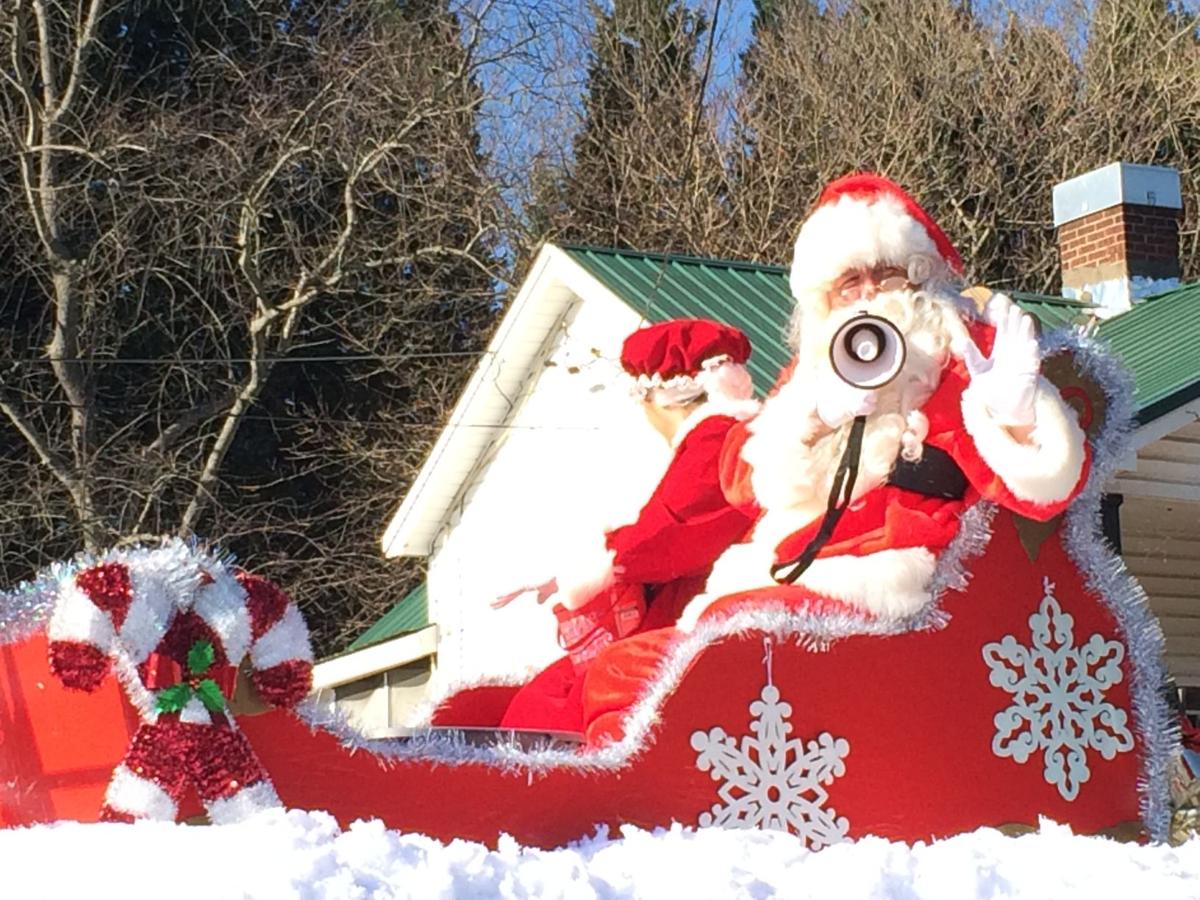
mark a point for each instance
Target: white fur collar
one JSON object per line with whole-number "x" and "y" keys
{"x": 715, "y": 406}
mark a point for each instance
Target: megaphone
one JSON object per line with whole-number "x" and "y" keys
{"x": 867, "y": 351}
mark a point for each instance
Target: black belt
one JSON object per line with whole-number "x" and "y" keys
{"x": 935, "y": 474}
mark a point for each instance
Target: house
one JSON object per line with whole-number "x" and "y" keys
{"x": 544, "y": 435}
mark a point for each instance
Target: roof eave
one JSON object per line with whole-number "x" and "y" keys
{"x": 1173, "y": 411}
{"x": 554, "y": 284}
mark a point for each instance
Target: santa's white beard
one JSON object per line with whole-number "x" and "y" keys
{"x": 792, "y": 467}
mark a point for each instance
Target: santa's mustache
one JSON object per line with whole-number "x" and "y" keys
{"x": 900, "y": 307}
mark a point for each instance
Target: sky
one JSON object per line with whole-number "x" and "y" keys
{"x": 536, "y": 90}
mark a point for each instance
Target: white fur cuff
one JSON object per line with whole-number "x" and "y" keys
{"x": 1044, "y": 470}
{"x": 585, "y": 573}
{"x": 889, "y": 584}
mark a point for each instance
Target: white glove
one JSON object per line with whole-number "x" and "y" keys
{"x": 838, "y": 401}
{"x": 1006, "y": 381}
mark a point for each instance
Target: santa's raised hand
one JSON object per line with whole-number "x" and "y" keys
{"x": 1006, "y": 381}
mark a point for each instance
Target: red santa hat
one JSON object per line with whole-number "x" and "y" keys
{"x": 677, "y": 361}
{"x": 862, "y": 221}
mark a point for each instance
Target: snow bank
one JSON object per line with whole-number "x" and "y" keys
{"x": 306, "y": 855}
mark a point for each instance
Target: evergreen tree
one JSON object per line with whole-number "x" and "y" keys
{"x": 645, "y": 169}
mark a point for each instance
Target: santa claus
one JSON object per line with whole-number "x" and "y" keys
{"x": 861, "y": 463}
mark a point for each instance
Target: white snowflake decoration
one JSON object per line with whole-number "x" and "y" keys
{"x": 770, "y": 781}
{"x": 1058, "y": 697}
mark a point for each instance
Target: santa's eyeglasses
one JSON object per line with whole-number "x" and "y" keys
{"x": 864, "y": 284}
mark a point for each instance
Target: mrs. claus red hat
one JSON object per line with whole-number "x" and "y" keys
{"x": 682, "y": 347}
{"x": 685, "y": 357}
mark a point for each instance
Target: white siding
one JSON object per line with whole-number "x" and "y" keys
{"x": 580, "y": 455}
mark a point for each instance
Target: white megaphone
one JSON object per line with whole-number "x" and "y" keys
{"x": 867, "y": 351}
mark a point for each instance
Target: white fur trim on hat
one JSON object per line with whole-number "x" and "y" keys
{"x": 723, "y": 379}
{"x": 716, "y": 375}
{"x": 853, "y": 233}
{"x": 1044, "y": 470}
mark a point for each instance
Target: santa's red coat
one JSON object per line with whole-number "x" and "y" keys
{"x": 894, "y": 518}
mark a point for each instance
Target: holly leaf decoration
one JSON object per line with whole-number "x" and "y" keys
{"x": 174, "y": 698}
{"x": 201, "y": 657}
{"x": 210, "y": 695}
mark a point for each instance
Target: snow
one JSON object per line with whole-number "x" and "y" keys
{"x": 306, "y": 855}
{"x": 1117, "y": 295}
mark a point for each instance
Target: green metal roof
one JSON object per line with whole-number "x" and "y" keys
{"x": 1159, "y": 339}
{"x": 410, "y": 614}
{"x": 754, "y": 298}
{"x": 1054, "y": 312}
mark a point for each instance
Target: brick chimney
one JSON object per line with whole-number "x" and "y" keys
{"x": 1118, "y": 233}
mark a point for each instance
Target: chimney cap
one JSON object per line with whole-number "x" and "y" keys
{"x": 1113, "y": 185}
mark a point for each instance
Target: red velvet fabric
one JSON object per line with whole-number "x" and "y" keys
{"x": 684, "y": 526}
{"x": 552, "y": 701}
{"x": 667, "y": 601}
{"x": 617, "y": 679}
{"x": 681, "y": 346}
{"x": 687, "y": 522}
{"x": 624, "y": 672}
{"x": 616, "y": 612}
{"x": 475, "y": 707}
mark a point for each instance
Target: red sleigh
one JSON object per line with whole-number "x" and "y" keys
{"x": 897, "y": 736}
{"x": 1035, "y": 690}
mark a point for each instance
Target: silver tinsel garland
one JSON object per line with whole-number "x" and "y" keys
{"x": 1106, "y": 575}
{"x": 25, "y": 610}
